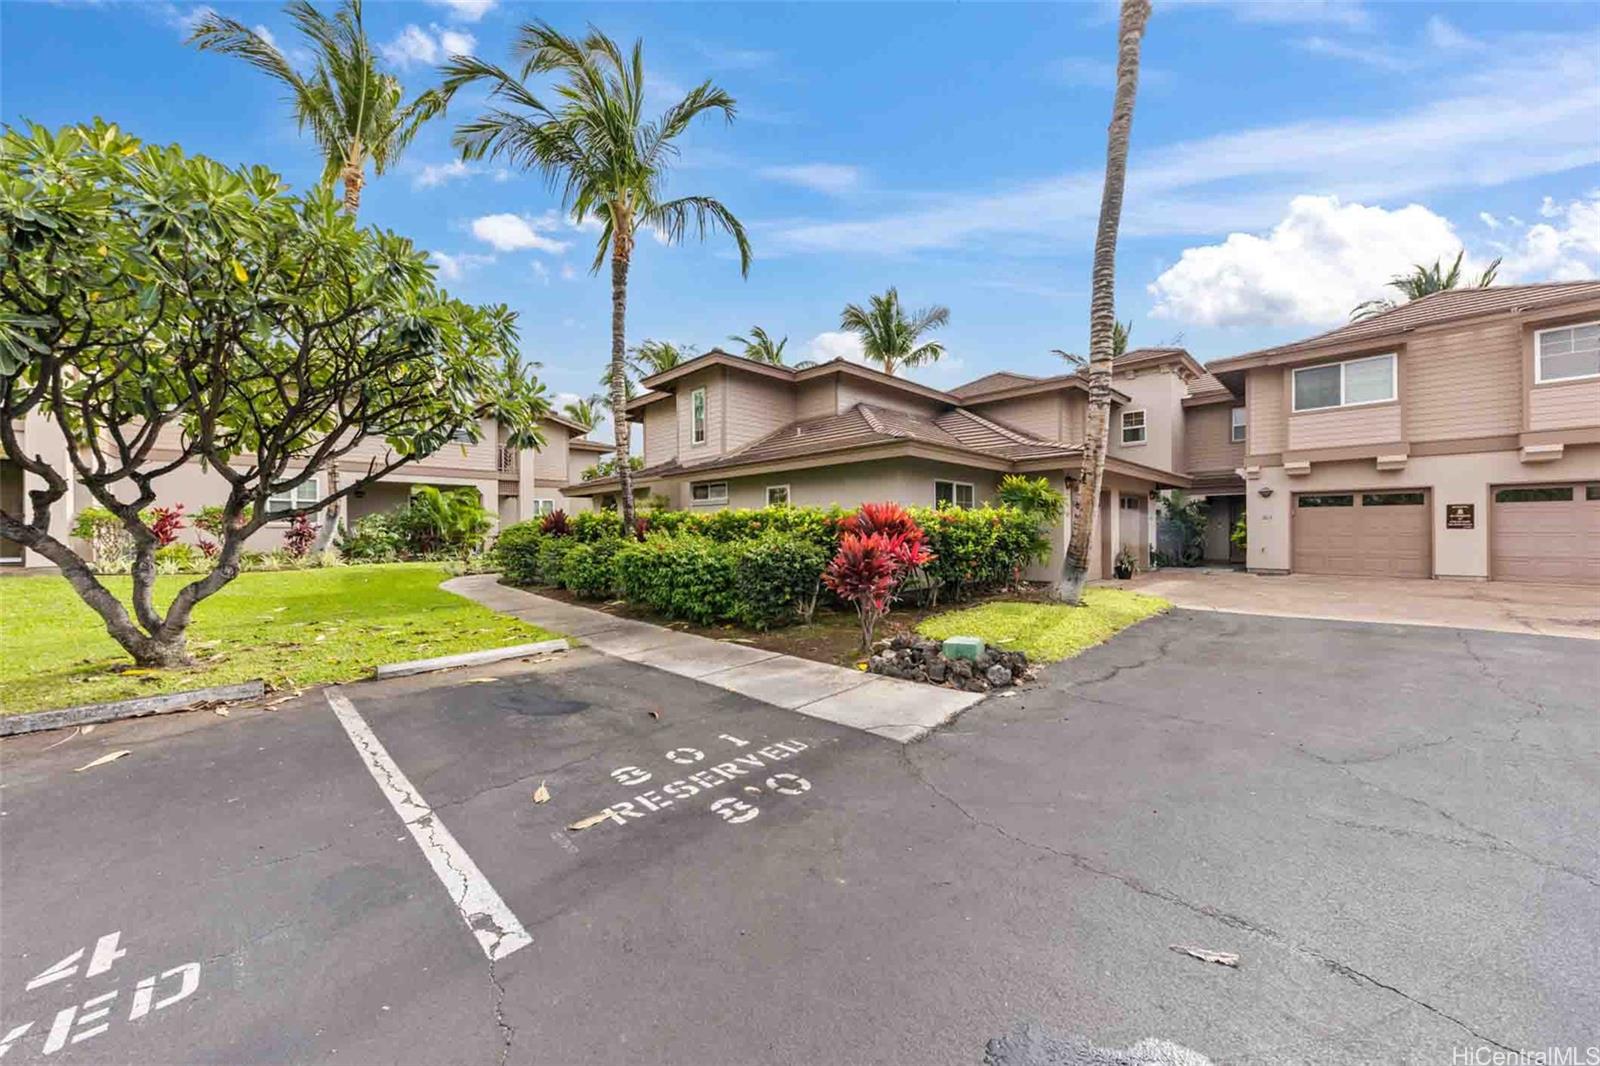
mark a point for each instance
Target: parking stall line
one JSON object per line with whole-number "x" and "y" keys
{"x": 497, "y": 929}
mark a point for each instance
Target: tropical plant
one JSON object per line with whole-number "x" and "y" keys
{"x": 585, "y": 411}
{"x": 1102, "y": 305}
{"x": 1187, "y": 519}
{"x": 889, "y": 337}
{"x": 353, "y": 109}
{"x": 1239, "y": 535}
{"x": 1121, "y": 334}
{"x": 610, "y": 163}
{"x": 1425, "y": 281}
{"x": 166, "y": 523}
{"x": 761, "y": 347}
{"x": 554, "y": 524}
{"x": 453, "y": 520}
{"x": 867, "y": 570}
{"x": 299, "y": 537}
{"x": 213, "y": 310}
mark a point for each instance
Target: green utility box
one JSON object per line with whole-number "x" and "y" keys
{"x": 963, "y": 647}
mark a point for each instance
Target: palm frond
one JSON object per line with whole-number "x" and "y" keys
{"x": 703, "y": 213}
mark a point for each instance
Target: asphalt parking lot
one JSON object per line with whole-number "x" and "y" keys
{"x": 1396, "y": 829}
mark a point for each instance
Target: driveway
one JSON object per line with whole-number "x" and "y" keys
{"x": 1394, "y": 828}
{"x": 1497, "y": 606}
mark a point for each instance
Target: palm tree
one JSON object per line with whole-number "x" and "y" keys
{"x": 609, "y": 162}
{"x": 651, "y": 357}
{"x": 1102, "y": 305}
{"x": 1424, "y": 281}
{"x": 1120, "y": 333}
{"x": 584, "y": 411}
{"x": 353, "y": 109}
{"x": 888, "y": 337}
{"x": 760, "y": 347}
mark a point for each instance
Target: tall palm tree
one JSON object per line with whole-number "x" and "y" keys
{"x": 761, "y": 347}
{"x": 594, "y": 143}
{"x": 651, "y": 357}
{"x": 888, "y": 337}
{"x": 584, "y": 411}
{"x": 1424, "y": 281}
{"x": 1102, "y": 305}
{"x": 1120, "y": 333}
{"x": 352, "y": 108}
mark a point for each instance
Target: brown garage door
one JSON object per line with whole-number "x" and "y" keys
{"x": 1546, "y": 533}
{"x": 1378, "y": 534}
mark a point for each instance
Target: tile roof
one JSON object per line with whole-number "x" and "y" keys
{"x": 1000, "y": 379}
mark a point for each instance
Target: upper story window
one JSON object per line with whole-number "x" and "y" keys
{"x": 1568, "y": 353}
{"x": 697, "y": 416}
{"x": 1348, "y": 384}
{"x": 956, "y": 493}
{"x": 463, "y": 435}
{"x": 302, "y": 495}
{"x": 1236, "y": 425}
{"x": 709, "y": 492}
{"x": 1133, "y": 428}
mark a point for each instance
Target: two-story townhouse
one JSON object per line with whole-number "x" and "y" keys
{"x": 723, "y": 431}
{"x": 1456, "y": 436}
{"x": 513, "y": 483}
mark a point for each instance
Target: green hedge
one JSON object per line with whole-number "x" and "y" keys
{"x": 588, "y": 570}
{"x": 683, "y": 576}
{"x": 518, "y": 549}
{"x": 777, "y": 579}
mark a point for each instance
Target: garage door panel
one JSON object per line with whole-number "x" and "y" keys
{"x": 1363, "y": 534}
{"x": 1548, "y": 533}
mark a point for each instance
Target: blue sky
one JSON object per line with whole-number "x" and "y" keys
{"x": 1288, "y": 157}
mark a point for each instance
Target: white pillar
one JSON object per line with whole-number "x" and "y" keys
{"x": 1113, "y": 530}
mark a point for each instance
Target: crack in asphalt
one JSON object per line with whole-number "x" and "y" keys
{"x": 1500, "y": 686}
{"x": 1205, "y": 910}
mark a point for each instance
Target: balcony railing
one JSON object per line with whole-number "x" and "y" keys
{"x": 508, "y": 459}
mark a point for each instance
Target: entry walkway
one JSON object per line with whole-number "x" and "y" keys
{"x": 1498, "y": 606}
{"x": 901, "y": 711}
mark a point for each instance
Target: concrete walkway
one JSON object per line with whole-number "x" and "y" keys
{"x": 1498, "y": 606}
{"x": 896, "y": 710}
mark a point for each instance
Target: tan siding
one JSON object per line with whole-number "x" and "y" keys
{"x": 551, "y": 461}
{"x": 1206, "y": 442}
{"x": 1077, "y": 417}
{"x": 1043, "y": 415}
{"x": 1564, "y": 406}
{"x": 660, "y": 432}
{"x": 1264, "y": 399}
{"x": 712, "y": 381}
{"x": 756, "y": 406}
{"x": 484, "y": 455}
{"x": 817, "y": 398}
{"x": 1463, "y": 382}
{"x": 1345, "y": 427}
{"x": 853, "y": 391}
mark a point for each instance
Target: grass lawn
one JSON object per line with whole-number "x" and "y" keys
{"x": 1048, "y": 631}
{"x": 293, "y": 628}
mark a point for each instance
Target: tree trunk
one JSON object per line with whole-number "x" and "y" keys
{"x": 620, "y": 248}
{"x": 1102, "y": 306}
{"x": 353, "y": 179}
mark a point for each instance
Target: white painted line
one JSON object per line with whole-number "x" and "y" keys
{"x": 486, "y": 914}
{"x": 468, "y": 658}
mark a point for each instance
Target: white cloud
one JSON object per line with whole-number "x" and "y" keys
{"x": 417, "y": 46}
{"x": 1351, "y": 14}
{"x": 834, "y": 344}
{"x": 465, "y": 10}
{"x": 568, "y": 273}
{"x": 516, "y": 233}
{"x": 1488, "y": 220}
{"x": 1445, "y": 37}
{"x": 831, "y": 178}
{"x": 541, "y": 272}
{"x": 433, "y": 174}
{"x": 1316, "y": 264}
{"x": 1084, "y": 73}
{"x": 184, "y": 19}
{"x": 1566, "y": 248}
{"x": 1377, "y": 54}
{"x": 736, "y": 58}
{"x": 455, "y": 267}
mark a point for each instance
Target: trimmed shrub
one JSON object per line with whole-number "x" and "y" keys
{"x": 686, "y": 576}
{"x": 978, "y": 548}
{"x": 374, "y": 539}
{"x": 518, "y": 548}
{"x": 778, "y": 577}
{"x": 587, "y": 569}
{"x": 180, "y": 558}
{"x": 552, "y": 556}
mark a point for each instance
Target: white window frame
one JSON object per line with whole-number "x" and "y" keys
{"x": 461, "y": 435}
{"x": 955, "y": 495}
{"x": 712, "y": 499}
{"x": 697, "y": 416}
{"x": 781, "y": 503}
{"x": 1538, "y": 355}
{"x": 543, "y": 506}
{"x": 313, "y": 486}
{"x": 1394, "y": 383}
{"x": 1238, "y": 424}
{"x": 1143, "y": 427}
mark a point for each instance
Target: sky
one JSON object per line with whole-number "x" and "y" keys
{"x": 1288, "y": 157}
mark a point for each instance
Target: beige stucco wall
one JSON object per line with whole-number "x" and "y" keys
{"x": 1465, "y": 478}
{"x": 1159, "y": 394}
{"x": 905, "y": 481}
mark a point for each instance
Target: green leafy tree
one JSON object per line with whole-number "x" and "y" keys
{"x": 584, "y": 411}
{"x": 1121, "y": 333}
{"x": 761, "y": 347}
{"x": 188, "y": 313}
{"x": 1102, "y": 305}
{"x": 594, "y": 143}
{"x": 355, "y": 111}
{"x": 890, "y": 337}
{"x": 1425, "y": 281}
{"x": 452, "y": 520}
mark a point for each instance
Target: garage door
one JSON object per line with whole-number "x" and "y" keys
{"x": 1546, "y": 533}
{"x": 1377, "y": 534}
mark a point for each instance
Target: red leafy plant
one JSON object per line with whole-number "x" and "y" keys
{"x": 299, "y": 537}
{"x": 555, "y": 524}
{"x": 879, "y": 547}
{"x": 165, "y": 523}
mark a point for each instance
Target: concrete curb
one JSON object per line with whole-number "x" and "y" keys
{"x": 94, "y": 713}
{"x": 468, "y": 658}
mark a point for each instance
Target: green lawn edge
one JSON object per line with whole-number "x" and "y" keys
{"x": 291, "y": 628}
{"x": 1048, "y": 632}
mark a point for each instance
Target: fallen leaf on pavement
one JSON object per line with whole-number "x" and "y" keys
{"x": 223, "y": 711}
{"x": 481, "y": 680}
{"x": 593, "y": 819}
{"x": 80, "y": 731}
{"x": 1221, "y": 958}
{"x": 541, "y": 794}
{"x": 281, "y": 699}
{"x": 112, "y": 756}
{"x": 653, "y": 714}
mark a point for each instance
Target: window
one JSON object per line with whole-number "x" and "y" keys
{"x": 1129, "y": 503}
{"x": 1568, "y": 353}
{"x": 543, "y": 507}
{"x": 302, "y": 495}
{"x": 1591, "y": 492}
{"x": 956, "y": 493}
{"x": 1391, "y": 499}
{"x": 462, "y": 435}
{"x": 1325, "y": 500}
{"x": 697, "y": 417}
{"x": 709, "y": 492}
{"x": 1236, "y": 425}
{"x": 1347, "y": 384}
{"x": 1562, "y": 494}
{"x": 1133, "y": 427}
{"x": 777, "y": 495}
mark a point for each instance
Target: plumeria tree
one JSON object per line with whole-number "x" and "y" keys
{"x": 162, "y": 311}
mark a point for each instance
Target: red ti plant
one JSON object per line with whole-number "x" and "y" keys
{"x": 879, "y": 546}
{"x": 554, "y": 524}
{"x": 165, "y": 523}
{"x": 299, "y": 537}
